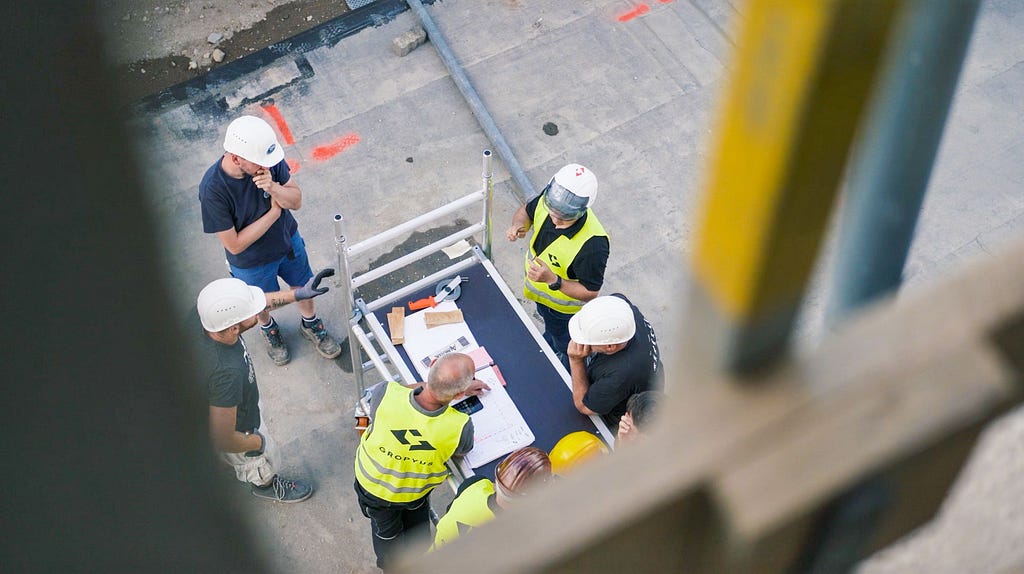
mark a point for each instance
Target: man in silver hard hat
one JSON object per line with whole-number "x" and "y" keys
{"x": 224, "y": 310}
{"x": 247, "y": 197}
{"x": 613, "y": 355}
{"x": 567, "y": 255}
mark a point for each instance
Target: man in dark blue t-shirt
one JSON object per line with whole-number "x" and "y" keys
{"x": 247, "y": 197}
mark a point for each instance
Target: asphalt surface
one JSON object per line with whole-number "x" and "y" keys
{"x": 381, "y": 138}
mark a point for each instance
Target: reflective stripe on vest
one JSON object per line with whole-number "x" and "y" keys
{"x": 401, "y": 455}
{"x": 468, "y": 510}
{"x": 558, "y": 256}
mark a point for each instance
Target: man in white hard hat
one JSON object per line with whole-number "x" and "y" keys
{"x": 613, "y": 355}
{"x": 568, "y": 253}
{"x": 247, "y": 197}
{"x": 224, "y": 310}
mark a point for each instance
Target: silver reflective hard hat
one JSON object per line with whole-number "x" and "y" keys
{"x": 570, "y": 192}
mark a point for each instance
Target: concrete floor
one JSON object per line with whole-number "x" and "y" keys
{"x": 633, "y": 100}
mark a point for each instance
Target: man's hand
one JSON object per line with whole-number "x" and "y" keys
{"x": 540, "y": 272}
{"x": 577, "y": 351}
{"x": 477, "y": 387}
{"x": 515, "y": 232}
{"x": 263, "y": 180}
{"x": 312, "y": 287}
{"x": 626, "y": 430}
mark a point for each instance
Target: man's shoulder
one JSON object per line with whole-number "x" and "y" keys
{"x": 619, "y": 368}
{"x": 211, "y": 182}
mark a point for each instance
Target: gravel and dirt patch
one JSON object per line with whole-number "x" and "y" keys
{"x": 155, "y": 44}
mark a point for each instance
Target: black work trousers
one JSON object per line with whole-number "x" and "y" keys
{"x": 395, "y": 525}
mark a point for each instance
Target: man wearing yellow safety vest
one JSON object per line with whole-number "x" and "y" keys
{"x": 479, "y": 499}
{"x": 567, "y": 255}
{"x": 401, "y": 457}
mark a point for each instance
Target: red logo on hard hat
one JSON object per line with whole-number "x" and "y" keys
{"x": 579, "y": 171}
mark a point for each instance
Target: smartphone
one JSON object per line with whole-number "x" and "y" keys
{"x": 468, "y": 405}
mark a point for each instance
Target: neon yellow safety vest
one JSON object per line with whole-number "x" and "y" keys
{"x": 469, "y": 510}
{"x": 401, "y": 455}
{"x": 558, "y": 256}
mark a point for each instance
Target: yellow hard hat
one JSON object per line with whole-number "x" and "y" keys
{"x": 574, "y": 449}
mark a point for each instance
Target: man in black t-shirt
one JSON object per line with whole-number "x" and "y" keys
{"x": 613, "y": 355}
{"x": 224, "y": 310}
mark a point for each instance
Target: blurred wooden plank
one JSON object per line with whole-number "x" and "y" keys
{"x": 803, "y": 72}
{"x": 900, "y": 390}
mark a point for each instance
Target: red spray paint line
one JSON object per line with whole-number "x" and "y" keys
{"x": 293, "y": 166}
{"x": 334, "y": 148}
{"x": 666, "y": 1}
{"x": 282, "y": 126}
{"x": 638, "y": 11}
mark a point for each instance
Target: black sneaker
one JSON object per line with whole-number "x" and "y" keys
{"x": 324, "y": 343}
{"x": 276, "y": 348}
{"x": 283, "y": 490}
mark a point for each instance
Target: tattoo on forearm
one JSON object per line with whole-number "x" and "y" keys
{"x": 276, "y": 302}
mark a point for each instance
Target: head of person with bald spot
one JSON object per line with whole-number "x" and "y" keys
{"x": 450, "y": 377}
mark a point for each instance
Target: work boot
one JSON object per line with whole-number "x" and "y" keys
{"x": 324, "y": 343}
{"x": 276, "y": 348}
{"x": 283, "y": 490}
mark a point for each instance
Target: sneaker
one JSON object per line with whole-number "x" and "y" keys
{"x": 324, "y": 343}
{"x": 283, "y": 490}
{"x": 276, "y": 348}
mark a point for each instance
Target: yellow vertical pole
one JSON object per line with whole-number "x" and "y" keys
{"x": 802, "y": 75}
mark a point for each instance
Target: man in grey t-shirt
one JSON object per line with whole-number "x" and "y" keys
{"x": 224, "y": 310}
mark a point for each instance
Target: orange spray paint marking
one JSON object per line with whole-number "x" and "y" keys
{"x": 282, "y": 126}
{"x": 293, "y": 166}
{"x": 638, "y": 11}
{"x": 334, "y": 148}
{"x": 666, "y": 1}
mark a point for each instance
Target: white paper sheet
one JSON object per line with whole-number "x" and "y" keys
{"x": 498, "y": 428}
{"x": 423, "y": 343}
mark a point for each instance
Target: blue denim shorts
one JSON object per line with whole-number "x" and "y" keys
{"x": 294, "y": 270}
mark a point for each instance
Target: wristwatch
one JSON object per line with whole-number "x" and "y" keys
{"x": 556, "y": 285}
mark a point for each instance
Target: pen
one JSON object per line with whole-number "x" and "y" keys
{"x": 482, "y": 367}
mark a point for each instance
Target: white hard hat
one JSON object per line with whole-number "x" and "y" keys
{"x": 571, "y": 191}
{"x": 605, "y": 320}
{"x": 253, "y": 139}
{"x": 228, "y": 301}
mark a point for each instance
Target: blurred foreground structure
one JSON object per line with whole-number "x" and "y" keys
{"x": 770, "y": 462}
{"x": 109, "y": 468}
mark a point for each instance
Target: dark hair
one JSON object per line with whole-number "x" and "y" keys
{"x": 643, "y": 407}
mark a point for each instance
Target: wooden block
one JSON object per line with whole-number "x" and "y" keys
{"x": 437, "y": 318}
{"x": 396, "y": 324}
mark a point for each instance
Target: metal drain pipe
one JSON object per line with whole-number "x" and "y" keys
{"x": 524, "y": 188}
